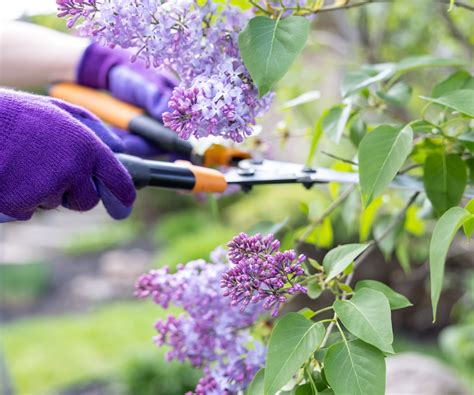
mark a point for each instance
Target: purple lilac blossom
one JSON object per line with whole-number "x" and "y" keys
{"x": 216, "y": 95}
{"x": 261, "y": 273}
{"x": 211, "y": 334}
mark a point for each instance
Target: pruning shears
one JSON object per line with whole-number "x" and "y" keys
{"x": 133, "y": 119}
{"x": 183, "y": 175}
{"x": 242, "y": 169}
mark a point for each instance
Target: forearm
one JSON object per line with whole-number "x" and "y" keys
{"x": 31, "y": 55}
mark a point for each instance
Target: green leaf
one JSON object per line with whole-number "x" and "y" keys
{"x": 340, "y": 126}
{"x": 422, "y": 126}
{"x": 461, "y": 100}
{"x": 469, "y": 224}
{"x": 367, "y": 316}
{"x": 402, "y": 253}
{"x": 413, "y": 223}
{"x": 443, "y": 234}
{"x": 268, "y": 227}
{"x": 256, "y": 386}
{"x": 357, "y": 80}
{"x": 322, "y": 235}
{"x": 304, "y": 389}
{"x": 306, "y": 313}
{"x": 398, "y": 95}
{"x": 467, "y": 139}
{"x": 459, "y": 80}
{"x": 269, "y": 47}
{"x": 387, "y": 242}
{"x": 357, "y": 130}
{"x": 381, "y": 155}
{"x": 330, "y": 121}
{"x": 444, "y": 178}
{"x": 396, "y": 300}
{"x": 417, "y": 62}
{"x": 305, "y": 98}
{"x": 314, "y": 289}
{"x": 367, "y": 218}
{"x": 355, "y": 368}
{"x": 340, "y": 257}
{"x": 317, "y": 133}
{"x": 294, "y": 339}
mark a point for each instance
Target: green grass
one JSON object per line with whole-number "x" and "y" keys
{"x": 20, "y": 282}
{"x": 105, "y": 237}
{"x": 52, "y": 352}
{"x": 194, "y": 245}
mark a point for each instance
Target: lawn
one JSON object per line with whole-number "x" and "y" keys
{"x": 51, "y": 352}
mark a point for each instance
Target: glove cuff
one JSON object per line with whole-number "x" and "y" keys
{"x": 96, "y": 62}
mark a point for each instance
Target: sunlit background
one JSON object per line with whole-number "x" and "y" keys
{"x": 70, "y": 323}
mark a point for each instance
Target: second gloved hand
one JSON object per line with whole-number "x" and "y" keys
{"x": 52, "y": 154}
{"x": 111, "y": 69}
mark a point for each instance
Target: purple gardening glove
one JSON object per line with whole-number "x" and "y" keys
{"x": 111, "y": 69}
{"x": 136, "y": 146}
{"x": 54, "y": 153}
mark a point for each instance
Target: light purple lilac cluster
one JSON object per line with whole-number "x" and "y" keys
{"x": 216, "y": 95}
{"x": 261, "y": 273}
{"x": 211, "y": 335}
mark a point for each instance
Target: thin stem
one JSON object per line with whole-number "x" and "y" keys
{"x": 260, "y": 8}
{"x": 327, "y": 320}
{"x": 339, "y": 158}
{"x": 341, "y": 331}
{"x": 322, "y": 310}
{"x": 408, "y": 168}
{"x": 335, "y": 204}
{"x": 328, "y": 331}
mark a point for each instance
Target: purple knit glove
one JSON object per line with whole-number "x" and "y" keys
{"x": 54, "y": 153}
{"x": 136, "y": 146}
{"x": 111, "y": 69}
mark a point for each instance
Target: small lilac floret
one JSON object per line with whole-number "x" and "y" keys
{"x": 261, "y": 273}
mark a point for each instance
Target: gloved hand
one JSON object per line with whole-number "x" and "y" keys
{"x": 54, "y": 153}
{"x": 111, "y": 69}
{"x": 137, "y": 146}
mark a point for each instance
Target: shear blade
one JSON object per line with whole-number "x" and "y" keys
{"x": 259, "y": 172}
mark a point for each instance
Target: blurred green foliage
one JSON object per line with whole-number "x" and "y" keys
{"x": 23, "y": 282}
{"x": 103, "y": 238}
{"x": 145, "y": 375}
{"x": 51, "y": 21}
{"x": 47, "y": 353}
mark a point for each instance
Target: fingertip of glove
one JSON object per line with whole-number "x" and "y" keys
{"x": 5, "y": 218}
{"x": 118, "y": 208}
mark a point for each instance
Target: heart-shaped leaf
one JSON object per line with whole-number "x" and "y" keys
{"x": 367, "y": 316}
{"x": 269, "y": 47}
{"x": 256, "y": 386}
{"x": 294, "y": 339}
{"x": 444, "y": 177}
{"x": 459, "y": 80}
{"x": 443, "y": 235}
{"x": 396, "y": 300}
{"x": 461, "y": 100}
{"x": 341, "y": 257}
{"x": 355, "y": 368}
{"x": 381, "y": 155}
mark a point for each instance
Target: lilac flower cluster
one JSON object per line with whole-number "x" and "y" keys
{"x": 211, "y": 335}
{"x": 216, "y": 95}
{"x": 261, "y": 273}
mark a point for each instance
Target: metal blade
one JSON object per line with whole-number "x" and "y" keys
{"x": 259, "y": 172}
